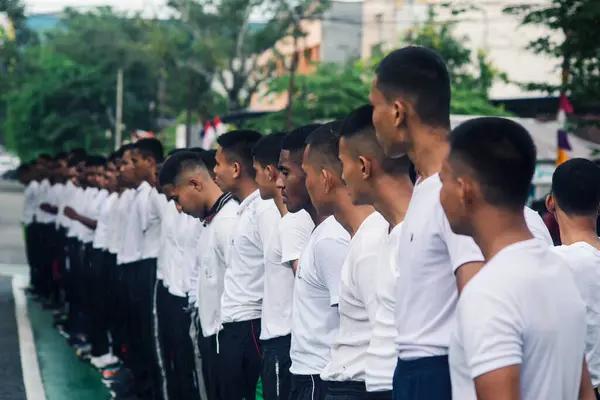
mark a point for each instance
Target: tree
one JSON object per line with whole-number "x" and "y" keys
{"x": 572, "y": 27}
{"x": 223, "y": 30}
{"x": 57, "y": 107}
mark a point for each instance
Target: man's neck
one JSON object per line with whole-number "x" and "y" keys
{"x": 393, "y": 196}
{"x": 429, "y": 150}
{"x": 578, "y": 229}
{"x": 509, "y": 227}
{"x": 245, "y": 188}
{"x": 213, "y": 195}
{"x": 278, "y": 199}
{"x": 350, "y": 216}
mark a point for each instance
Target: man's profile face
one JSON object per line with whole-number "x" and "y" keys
{"x": 224, "y": 171}
{"x": 263, "y": 181}
{"x": 292, "y": 181}
{"x": 389, "y": 123}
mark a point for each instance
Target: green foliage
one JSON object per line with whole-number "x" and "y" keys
{"x": 572, "y": 40}
{"x": 56, "y": 108}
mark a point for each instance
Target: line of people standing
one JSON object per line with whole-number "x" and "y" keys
{"x": 381, "y": 256}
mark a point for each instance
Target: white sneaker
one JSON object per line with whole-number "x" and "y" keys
{"x": 103, "y": 361}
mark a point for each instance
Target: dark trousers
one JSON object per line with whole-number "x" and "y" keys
{"x": 98, "y": 277}
{"x": 239, "y": 359}
{"x": 381, "y": 395}
{"x": 210, "y": 365}
{"x": 75, "y": 286}
{"x": 114, "y": 304}
{"x": 423, "y": 378}
{"x": 346, "y": 391}
{"x": 276, "y": 363}
{"x": 31, "y": 242}
{"x": 308, "y": 387}
{"x": 177, "y": 349}
{"x": 46, "y": 247}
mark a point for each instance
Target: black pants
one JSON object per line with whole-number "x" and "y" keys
{"x": 114, "y": 304}
{"x": 346, "y": 391}
{"x": 423, "y": 378}
{"x": 381, "y": 395}
{"x": 276, "y": 363}
{"x": 31, "y": 242}
{"x": 98, "y": 276}
{"x": 239, "y": 359}
{"x": 47, "y": 245}
{"x": 308, "y": 387}
{"x": 210, "y": 365}
{"x": 177, "y": 350}
{"x": 74, "y": 286}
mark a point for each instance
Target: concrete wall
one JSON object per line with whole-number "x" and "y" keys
{"x": 342, "y": 32}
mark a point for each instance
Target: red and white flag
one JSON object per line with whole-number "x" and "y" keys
{"x": 209, "y": 136}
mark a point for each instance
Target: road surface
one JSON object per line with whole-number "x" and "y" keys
{"x": 37, "y": 364}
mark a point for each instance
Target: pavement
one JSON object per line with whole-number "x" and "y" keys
{"x": 37, "y": 363}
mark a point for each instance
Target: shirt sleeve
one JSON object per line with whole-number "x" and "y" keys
{"x": 329, "y": 256}
{"x": 267, "y": 220}
{"x": 491, "y": 332}
{"x": 538, "y": 228}
{"x": 294, "y": 236}
{"x": 462, "y": 249}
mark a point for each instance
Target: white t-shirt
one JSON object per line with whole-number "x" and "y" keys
{"x": 93, "y": 211}
{"x": 55, "y": 193}
{"x": 315, "y": 316}
{"x": 150, "y": 218}
{"x": 522, "y": 308}
{"x": 176, "y": 264}
{"x": 170, "y": 217}
{"x": 243, "y": 294}
{"x": 192, "y": 247}
{"x": 358, "y": 302}
{"x": 584, "y": 262}
{"x": 82, "y": 207}
{"x": 132, "y": 242}
{"x": 30, "y": 202}
{"x": 67, "y": 194}
{"x": 429, "y": 254}
{"x": 381, "y": 354}
{"x": 118, "y": 220}
{"x": 102, "y": 225}
{"x": 215, "y": 240}
{"x": 537, "y": 226}
{"x": 293, "y": 229}
{"x": 43, "y": 197}
{"x": 76, "y": 203}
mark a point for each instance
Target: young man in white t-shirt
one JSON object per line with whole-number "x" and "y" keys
{"x": 293, "y": 229}
{"x": 411, "y": 113}
{"x": 315, "y": 317}
{"x": 241, "y": 306}
{"x": 522, "y": 310}
{"x": 373, "y": 178}
{"x": 191, "y": 186}
{"x": 345, "y": 372}
{"x": 574, "y": 201}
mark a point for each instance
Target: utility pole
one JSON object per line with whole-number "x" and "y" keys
{"x": 119, "y": 111}
{"x": 188, "y": 110}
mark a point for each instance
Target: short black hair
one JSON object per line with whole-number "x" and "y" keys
{"x": 77, "y": 159}
{"x": 197, "y": 149}
{"x": 78, "y": 151}
{"x": 150, "y": 147}
{"x": 576, "y": 187}
{"x": 177, "y": 164}
{"x": 174, "y": 151}
{"x": 500, "y": 154}
{"x": 237, "y": 146}
{"x": 325, "y": 145}
{"x": 295, "y": 140}
{"x": 420, "y": 75}
{"x": 95, "y": 161}
{"x": 209, "y": 158}
{"x": 358, "y": 126}
{"x": 266, "y": 150}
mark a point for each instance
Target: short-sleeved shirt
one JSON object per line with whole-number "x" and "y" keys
{"x": 358, "y": 302}
{"x": 292, "y": 233}
{"x": 522, "y": 308}
{"x": 102, "y": 226}
{"x": 30, "y": 202}
{"x": 315, "y": 317}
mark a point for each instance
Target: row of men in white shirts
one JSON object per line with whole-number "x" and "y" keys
{"x": 340, "y": 261}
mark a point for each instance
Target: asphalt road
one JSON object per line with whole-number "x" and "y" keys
{"x": 11, "y": 234}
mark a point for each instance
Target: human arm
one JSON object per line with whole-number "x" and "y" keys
{"x": 49, "y": 208}
{"x": 586, "y": 390}
{"x": 88, "y": 222}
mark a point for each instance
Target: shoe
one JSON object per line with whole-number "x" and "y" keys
{"x": 104, "y": 361}
{"x": 83, "y": 352}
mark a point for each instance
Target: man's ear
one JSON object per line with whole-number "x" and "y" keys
{"x": 327, "y": 179}
{"x": 550, "y": 204}
{"x": 366, "y": 167}
{"x": 237, "y": 169}
{"x": 196, "y": 184}
{"x": 400, "y": 110}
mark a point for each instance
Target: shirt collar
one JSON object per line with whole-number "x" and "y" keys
{"x": 247, "y": 201}
{"x": 142, "y": 186}
{"x": 221, "y": 201}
